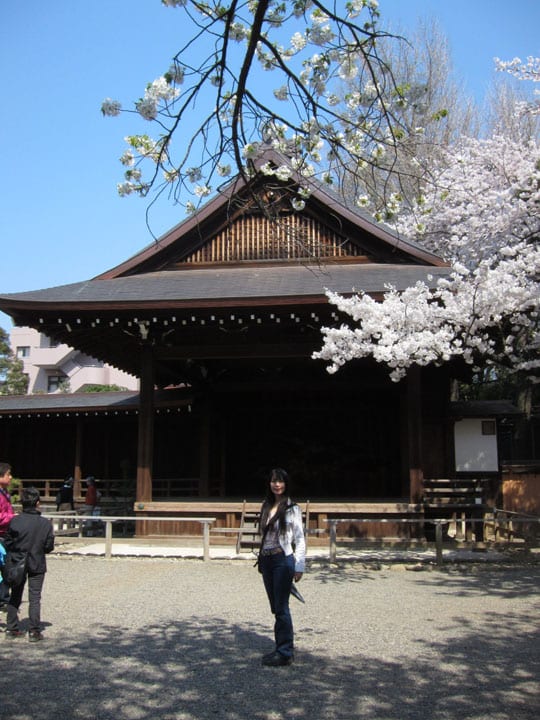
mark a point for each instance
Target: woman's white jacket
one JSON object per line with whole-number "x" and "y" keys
{"x": 291, "y": 538}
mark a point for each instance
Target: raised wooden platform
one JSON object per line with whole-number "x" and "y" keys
{"x": 229, "y": 514}
{"x": 315, "y": 506}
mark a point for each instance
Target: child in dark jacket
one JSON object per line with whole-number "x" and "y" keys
{"x": 34, "y": 535}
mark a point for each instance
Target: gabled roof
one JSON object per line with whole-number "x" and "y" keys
{"x": 367, "y": 258}
{"x": 195, "y": 301}
{"x": 236, "y": 198}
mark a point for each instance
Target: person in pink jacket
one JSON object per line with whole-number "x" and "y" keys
{"x": 6, "y": 513}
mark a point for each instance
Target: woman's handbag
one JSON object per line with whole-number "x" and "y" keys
{"x": 14, "y": 569}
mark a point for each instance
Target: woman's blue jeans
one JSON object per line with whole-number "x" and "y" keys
{"x": 278, "y": 574}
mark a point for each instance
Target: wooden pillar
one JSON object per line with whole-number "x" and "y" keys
{"x": 204, "y": 449}
{"x": 223, "y": 459}
{"x": 145, "y": 445}
{"x": 414, "y": 434}
{"x": 77, "y": 471}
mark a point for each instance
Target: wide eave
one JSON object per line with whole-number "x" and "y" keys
{"x": 223, "y": 287}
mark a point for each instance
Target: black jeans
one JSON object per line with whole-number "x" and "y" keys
{"x": 278, "y": 574}
{"x": 35, "y": 585}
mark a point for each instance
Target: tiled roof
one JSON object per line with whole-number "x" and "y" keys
{"x": 86, "y": 402}
{"x": 232, "y": 283}
{"x": 125, "y": 400}
{"x": 483, "y": 408}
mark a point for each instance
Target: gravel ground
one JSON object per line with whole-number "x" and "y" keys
{"x": 177, "y": 639}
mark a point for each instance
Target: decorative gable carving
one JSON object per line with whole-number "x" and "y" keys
{"x": 253, "y": 221}
{"x": 255, "y": 238}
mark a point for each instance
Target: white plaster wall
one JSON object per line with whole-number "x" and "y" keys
{"x": 474, "y": 451}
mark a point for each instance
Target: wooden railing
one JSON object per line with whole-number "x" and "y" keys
{"x": 76, "y": 524}
{"x": 162, "y": 488}
{"x": 506, "y": 525}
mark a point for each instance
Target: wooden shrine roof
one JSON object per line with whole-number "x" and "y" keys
{"x": 225, "y": 287}
{"x": 243, "y": 279}
{"x": 94, "y": 403}
{"x": 127, "y": 402}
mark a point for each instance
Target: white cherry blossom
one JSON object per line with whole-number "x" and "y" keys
{"x": 483, "y": 217}
{"x": 208, "y": 80}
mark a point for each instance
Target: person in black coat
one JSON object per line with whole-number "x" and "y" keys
{"x": 33, "y": 534}
{"x": 64, "y": 497}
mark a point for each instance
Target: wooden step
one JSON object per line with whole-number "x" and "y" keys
{"x": 248, "y": 532}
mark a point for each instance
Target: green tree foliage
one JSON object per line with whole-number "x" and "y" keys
{"x": 13, "y": 380}
{"x": 102, "y": 388}
{"x": 14, "y": 489}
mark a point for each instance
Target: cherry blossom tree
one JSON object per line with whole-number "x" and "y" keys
{"x": 482, "y": 215}
{"x": 307, "y": 48}
{"x": 529, "y": 70}
{"x": 479, "y": 202}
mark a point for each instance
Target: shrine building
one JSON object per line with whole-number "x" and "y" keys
{"x": 219, "y": 319}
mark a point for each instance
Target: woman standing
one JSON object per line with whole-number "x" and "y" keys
{"x": 281, "y": 560}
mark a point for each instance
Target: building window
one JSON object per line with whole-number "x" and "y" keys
{"x": 489, "y": 427}
{"x": 23, "y": 351}
{"x": 54, "y": 382}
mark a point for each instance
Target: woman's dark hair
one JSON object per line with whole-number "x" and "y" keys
{"x": 283, "y": 476}
{"x": 30, "y": 498}
{"x": 4, "y": 468}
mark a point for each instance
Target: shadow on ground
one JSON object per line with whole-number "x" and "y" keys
{"x": 199, "y": 670}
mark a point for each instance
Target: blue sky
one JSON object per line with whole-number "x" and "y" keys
{"x": 61, "y": 219}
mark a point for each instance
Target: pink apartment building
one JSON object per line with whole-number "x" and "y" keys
{"x": 52, "y": 367}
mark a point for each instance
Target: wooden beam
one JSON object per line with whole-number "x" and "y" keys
{"x": 237, "y": 351}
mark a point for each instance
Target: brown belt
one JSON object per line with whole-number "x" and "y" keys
{"x": 272, "y": 551}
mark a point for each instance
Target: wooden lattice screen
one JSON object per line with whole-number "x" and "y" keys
{"x": 292, "y": 237}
